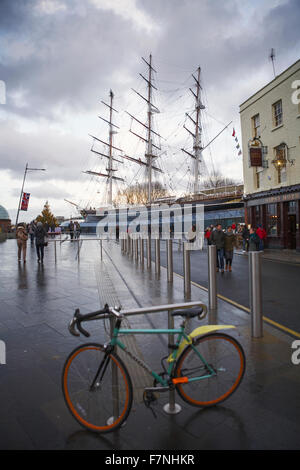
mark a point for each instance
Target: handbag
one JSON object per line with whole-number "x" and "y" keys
{"x": 45, "y": 241}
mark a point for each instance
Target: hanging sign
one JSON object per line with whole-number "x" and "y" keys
{"x": 255, "y": 156}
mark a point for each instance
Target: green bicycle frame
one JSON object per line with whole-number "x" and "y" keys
{"x": 181, "y": 334}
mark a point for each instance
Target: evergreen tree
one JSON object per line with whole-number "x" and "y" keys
{"x": 46, "y": 217}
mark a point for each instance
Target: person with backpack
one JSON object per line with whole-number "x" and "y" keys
{"x": 245, "y": 237}
{"x": 22, "y": 237}
{"x": 218, "y": 238}
{"x": 253, "y": 240}
{"x": 40, "y": 240}
{"x": 230, "y": 243}
{"x": 262, "y": 234}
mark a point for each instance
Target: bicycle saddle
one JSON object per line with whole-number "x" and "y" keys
{"x": 188, "y": 312}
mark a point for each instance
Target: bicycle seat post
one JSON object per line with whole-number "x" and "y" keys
{"x": 171, "y": 407}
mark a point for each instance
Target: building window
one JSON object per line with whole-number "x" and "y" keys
{"x": 292, "y": 208}
{"x": 256, "y": 126}
{"x": 258, "y": 176}
{"x": 282, "y": 175}
{"x": 272, "y": 220}
{"x": 277, "y": 113}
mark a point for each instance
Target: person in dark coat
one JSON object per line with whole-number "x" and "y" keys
{"x": 245, "y": 236}
{"x": 40, "y": 236}
{"x": 230, "y": 243}
{"x": 253, "y": 240}
{"x": 217, "y": 238}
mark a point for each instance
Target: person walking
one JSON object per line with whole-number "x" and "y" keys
{"x": 262, "y": 234}
{"x": 31, "y": 231}
{"x": 71, "y": 229}
{"x": 229, "y": 244}
{"x": 245, "y": 236}
{"x": 22, "y": 237}
{"x": 218, "y": 239}
{"x": 40, "y": 240}
{"x": 207, "y": 235}
{"x": 253, "y": 240}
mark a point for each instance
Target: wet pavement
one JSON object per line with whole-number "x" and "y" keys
{"x": 36, "y": 304}
{"x": 280, "y": 281}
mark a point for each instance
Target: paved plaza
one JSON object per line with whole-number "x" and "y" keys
{"x": 37, "y": 302}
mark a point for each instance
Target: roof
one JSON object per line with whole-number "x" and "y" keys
{"x": 4, "y": 214}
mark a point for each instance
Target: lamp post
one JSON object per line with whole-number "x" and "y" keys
{"x": 25, "y": 173}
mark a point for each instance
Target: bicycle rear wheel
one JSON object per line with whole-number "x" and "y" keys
{"x": 97, "y": 388}
{"x": 213, "y": 369}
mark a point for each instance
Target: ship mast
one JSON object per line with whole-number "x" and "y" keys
{"x": 110, "y": 170}
{"x": 197, "y": 134}
{"x": 148, "y": 140}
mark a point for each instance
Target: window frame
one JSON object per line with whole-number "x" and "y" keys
{"x": 276, "y": 115}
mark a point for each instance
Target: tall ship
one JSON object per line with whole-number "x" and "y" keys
{"x": 221, "y": 204}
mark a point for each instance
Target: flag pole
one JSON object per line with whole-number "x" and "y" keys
{"x": 21, "y": 195}
{"x": 25, "y": 172}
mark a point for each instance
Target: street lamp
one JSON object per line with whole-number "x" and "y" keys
{"x": 25, "y": 173}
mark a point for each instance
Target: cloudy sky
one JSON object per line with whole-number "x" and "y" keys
{"x": 60, "y": 58}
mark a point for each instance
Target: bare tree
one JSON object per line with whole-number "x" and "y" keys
{"x": 138, "y": 194}
{"x": 216, "y": 180}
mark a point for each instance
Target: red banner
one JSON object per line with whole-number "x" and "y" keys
{"x": 25, "y": 201}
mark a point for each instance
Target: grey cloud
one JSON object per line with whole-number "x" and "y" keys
{"x": 45, "y": 149}
{"x": 73, "y": 56}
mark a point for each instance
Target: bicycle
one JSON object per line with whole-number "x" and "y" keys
{"x": 204, "y": 367}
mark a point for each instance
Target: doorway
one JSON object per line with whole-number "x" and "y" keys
{"x": 291, "y": 235}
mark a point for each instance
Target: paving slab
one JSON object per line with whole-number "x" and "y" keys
{"x": 36, "y": 304}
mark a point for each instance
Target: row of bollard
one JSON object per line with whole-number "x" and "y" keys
{"x": 135, "y": 249}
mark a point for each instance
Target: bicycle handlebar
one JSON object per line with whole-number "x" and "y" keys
{"x": 78, "y": 318}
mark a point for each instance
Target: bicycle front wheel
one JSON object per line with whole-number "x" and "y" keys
{"x": 210, "y": 370}
{"x": 97, "y": 388}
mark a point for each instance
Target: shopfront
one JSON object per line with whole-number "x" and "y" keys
{"x": 278, "y": 211}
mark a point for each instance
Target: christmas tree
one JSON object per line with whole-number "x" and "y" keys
{"x": 46, "y": 217}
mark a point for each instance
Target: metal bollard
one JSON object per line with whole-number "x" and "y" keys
{"x": 149, "y": 252}
{"x": 142, "y": 251}
{"x": 171, "y": 407}
{"x": 186, "y": 270}
{"x": 78, "y": 249}
{"x": 136, "y": 249}
{"x": 170, "y": 260}
{"x": 55, "y": 250}
{"x": 131, "y": 247}
{"x": 255, "y": 294}
{"x": 101, "y": 254}
{"x": 157, "y": 256}
{"x": 212, "y": 278}
{"x": 128, "y": 244}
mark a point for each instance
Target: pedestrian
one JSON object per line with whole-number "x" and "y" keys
{"x": 262, "y": 234}
{"x": 31, "y": 231}
{"x": 207, "y": 235}
{"x": 77, "y": 229}
{"x": 40, "y": 241}
{"x": 253, "y": 240}
{"x": 245, "y": 236}
{"x": 218, "y": 239}
{"x": 22, "y": 237}
{"x": 229, "y": 244}
{"x": 71, "y": 229}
